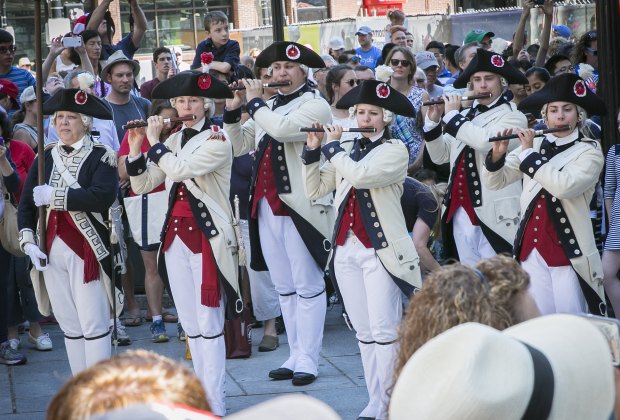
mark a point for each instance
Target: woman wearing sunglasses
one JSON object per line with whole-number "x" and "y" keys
{"x": 586, "y": 52}
{"x": 341, "y": 79}
{"x": 407, "y": 129}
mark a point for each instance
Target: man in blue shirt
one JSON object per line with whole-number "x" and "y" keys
{"x": 225, "y": 50}
{"x": 22, "y": 78}
{"x": 101, "y": 21}
{"x": 368, "y": 53}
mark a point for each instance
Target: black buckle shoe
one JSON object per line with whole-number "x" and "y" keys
{"x": 301, "y": 378}
{"x": 280, "y": 374}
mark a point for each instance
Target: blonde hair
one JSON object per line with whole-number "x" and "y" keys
{"x": 451, "y": 295}
{"x": 136, "y": 376}
{"x": 507, "y": 281}
{"x": 388, "y": 115}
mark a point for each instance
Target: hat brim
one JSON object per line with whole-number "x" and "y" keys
{"x": 277, "y": 52}
{"x": 191, "y": 83}
{"x": 65, "y": 100}
{"x": 565, "y": 340}
{"x": 365, "y": 93}
{"x": 106, "y": 69}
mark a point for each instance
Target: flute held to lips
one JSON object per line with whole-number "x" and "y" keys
{"x": 536, "y": 133}
{"x": 265, "y": 85}
{"x": 166, "y": 121}
{"x": 463, "y": 98}
{"x": 344, "y": 130}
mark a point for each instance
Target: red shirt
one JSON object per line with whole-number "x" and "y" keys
{"x": 22, "y": 156}
{"x": 459, "y": 194}
{"x": 266, "y": 187}
{"x": 124, "y": 151}
{"x": 146, "y": 88}
{"x": 352, "y": 220}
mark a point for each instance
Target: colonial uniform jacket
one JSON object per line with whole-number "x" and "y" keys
{"x": 204, "y": 162}
{"x": 279, "y": 122}
{"x": 497, "y": 211}
{"x": 570, "y": 178}
{"x": 378, "y": 179}
{"x": 97, "y": 176}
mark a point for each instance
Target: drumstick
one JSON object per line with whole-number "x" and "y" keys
{"x": 166, "y": 121}
{"x": 344, "y": 130}
{"x": 463, "y": 98}
{"x": 265, "y": 85}
{"x": 536, "y": 133}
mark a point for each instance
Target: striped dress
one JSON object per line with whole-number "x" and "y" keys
{"x": 612, "y": 192}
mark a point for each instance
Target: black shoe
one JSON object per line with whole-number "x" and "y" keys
{"x": 365, "y": 418}
{"x": 280, "y": 374}
{"x": 301, "y": 378}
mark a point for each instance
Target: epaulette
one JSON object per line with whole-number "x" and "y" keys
{"x": 50, "y": 146}
{"x": 109, "y": 156}
{"x": 216, "y": 134}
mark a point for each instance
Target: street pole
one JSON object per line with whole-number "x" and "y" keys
{"x": 55, "y": 8}
{"x": 277, "y": 20}
{"x": 40, "y": 146}
{"x": 608, "y": 41}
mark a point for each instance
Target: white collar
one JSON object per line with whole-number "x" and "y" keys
{"x": 76, "y": 146}
{"x": 561, "y": 141}
{"x": 376, "y": 137}
{"x": 476, "y": 102}
{"x": 198, "y": 126}
{"x": 296, "y": 90}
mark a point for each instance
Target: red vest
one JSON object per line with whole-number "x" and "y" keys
{"x": 266, "y": 187}
{"x": 459, "y": 194}
{"x": 540, "y": 234}
{"x": 352, "y": 220}
{"x": 183, "y": 225}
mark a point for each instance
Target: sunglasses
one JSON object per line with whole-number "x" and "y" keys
{"x": 594, "y": 52}
{"x": 11, "y": 49}
{"x": 420, "y": 81}
{"x": 353, "y": 82}
{"x": 395, "y": 62}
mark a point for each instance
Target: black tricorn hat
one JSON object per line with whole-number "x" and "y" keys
{"x": 375, "y": 92}
{"x": 289, "y": 51}
{"x": 191, "y": 83}
{"x": 76, "y": 100}
{"x": 566, "y": 87}
{"x": 491, "y": 62}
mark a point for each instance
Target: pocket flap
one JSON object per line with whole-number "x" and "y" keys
{"x": 507, "y": 209}
{"x": 404, "y": 250}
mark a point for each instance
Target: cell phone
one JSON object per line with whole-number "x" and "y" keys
{"x": 72, "y": 41}
{"x": 610, "y": 328}
{"x": 1, "y": 141}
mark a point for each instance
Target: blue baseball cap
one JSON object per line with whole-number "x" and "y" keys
{"x": 562, "y": 30}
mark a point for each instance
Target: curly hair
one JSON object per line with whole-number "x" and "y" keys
{"x": 451, "y": 295}
{"x": 136, "y": 376}
{"x": 507, "y": 281}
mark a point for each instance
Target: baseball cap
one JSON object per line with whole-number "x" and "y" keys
{"x": 476, "y": 35}
{"x": 552, "y": 367}
{"x": 10, "y": 89}
{"x": 562, "y": 30}
{"x": 28, "y": 95}
{"x": 363, "y": 30}
{"x": 336, "y": 43}
{"x": 24, "y": 61}
{"x": 426, "y": 59}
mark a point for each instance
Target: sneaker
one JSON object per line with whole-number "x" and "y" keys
{"x": 42, "y": 342}
{"x": 122, "y": 338}
{"x": 8, "y": 356}
{"x": 181, "y": 333}
{"x": 14, "y": 343}
{"x": 158, "y": 332}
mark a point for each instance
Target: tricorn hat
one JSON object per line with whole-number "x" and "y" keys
{"x": 375, "y": 92}
{"x": 566, "y": 87}
{"x": 76, "y": 100}
{"x": 191, "y": 83}
{"x": 289, "y": 51}
{"x": 493, "y": 63}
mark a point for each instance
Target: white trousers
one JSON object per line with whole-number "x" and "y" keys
{"x": 470, "y": 241}
{"x": 82, "y": 309}
{"x": 265, "y": 299}
{"x": 202, "y": 324}
{"x": 299, "y": 281}
{"x": 555, "y": 289}
{"x": 374, "y": 305}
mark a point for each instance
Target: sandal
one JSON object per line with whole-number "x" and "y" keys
{"x": 133, "y": 320}
{"x": 170, "y": 317}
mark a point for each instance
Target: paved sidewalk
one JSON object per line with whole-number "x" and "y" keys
{"x": 25, "y": 391}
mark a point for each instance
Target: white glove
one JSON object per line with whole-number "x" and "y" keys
{"x": 36, "y": 256}
{"x": 42, "y": 195}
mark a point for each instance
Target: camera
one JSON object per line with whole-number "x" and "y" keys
{"x": 72, "y": 41}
